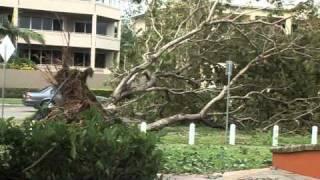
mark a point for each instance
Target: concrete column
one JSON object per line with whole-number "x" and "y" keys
{"x": 15, "y": 16}
{"x": 119, "y": 37}
{"x": 15, "y": 22}
{"x": 288, "y": 28}
{"x": 93, "y": 41}
{"x": 119, "y": 30}
{"x": 117, "y": 54}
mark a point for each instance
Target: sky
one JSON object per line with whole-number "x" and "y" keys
{"x": 264, "y": 3}
{"x": 126, "y": 5}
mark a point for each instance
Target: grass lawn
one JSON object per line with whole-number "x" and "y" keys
{"x": 13, "y": 101}
{"x": 210, "y": 155}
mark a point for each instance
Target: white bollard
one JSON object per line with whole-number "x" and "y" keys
{"x": 143, "y": 127}
{"x": 314, "y": 137}
{"x": 275, "y": 135}
{"x": 192, "y": 133}
{"x": 232, "y": 135}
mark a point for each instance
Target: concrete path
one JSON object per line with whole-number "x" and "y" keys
{"x": 17, "y": 111}
{"x": 254, "y": 174}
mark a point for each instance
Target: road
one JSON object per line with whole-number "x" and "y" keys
{"x": 18, "y": 111}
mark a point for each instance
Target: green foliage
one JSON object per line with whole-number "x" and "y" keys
{"x": 7, "y": 28}
{"x": 15, "y": 92}
{"x": 102, "y": 92}
{"x": 21, "y": 64}
{"x": 96, "y": 150}
{"x": 285, "y": 76}
{"x": 209, "y": 155}
{"x": 201, "y": 159}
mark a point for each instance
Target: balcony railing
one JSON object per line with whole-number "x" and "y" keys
{"x": 111, "y": 3}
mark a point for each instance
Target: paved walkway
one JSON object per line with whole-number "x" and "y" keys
{"x": 18, "y": 112}
{"x": 254, "y": 174}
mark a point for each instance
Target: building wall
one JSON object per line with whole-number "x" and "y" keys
{"x": 67, "y": 6}
{"x": 71, "y": 11}
{"x": 250, "y": 14}
{"x": 38, "y": 79}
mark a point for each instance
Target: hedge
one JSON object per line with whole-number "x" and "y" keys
{"x": 94, "y": 151}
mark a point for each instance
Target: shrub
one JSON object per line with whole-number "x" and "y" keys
{"x": 102, "y": 92}
{"x": 15, "y": 92}
{"x": 56, "y": 150}
{"x": 21, "y": 64}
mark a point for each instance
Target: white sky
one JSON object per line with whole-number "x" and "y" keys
{"x": 125, "y": 4}
{"x": 264, "y": 3}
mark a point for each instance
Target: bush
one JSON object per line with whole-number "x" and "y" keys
{"x": 101, "y": 92}
{"x": 21, "y": 64}
{"x": 56, "y": 150}
{"x": 15, "y": 92}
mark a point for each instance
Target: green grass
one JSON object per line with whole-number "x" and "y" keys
{"x": 210, "y": 154}
{"x": 13, "y": 101}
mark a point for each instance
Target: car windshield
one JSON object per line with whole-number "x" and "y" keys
{"x": 46, "y": 89}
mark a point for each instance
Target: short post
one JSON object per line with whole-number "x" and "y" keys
{"x": 192, "y": 133}
{"x": 229, "y": 66}
{"x": 314, "y": 137}
{"x": 143, "y": 127}
{"x": 275, "y": 135}
{"x": 232, "y": 136}
{"x": 4, "y": 81}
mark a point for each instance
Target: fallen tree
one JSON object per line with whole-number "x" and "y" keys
{"x": 183, "y": 59}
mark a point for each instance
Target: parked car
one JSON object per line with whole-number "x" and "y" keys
{"x": 39, "y": 98}
{"x": 43, "y": 97}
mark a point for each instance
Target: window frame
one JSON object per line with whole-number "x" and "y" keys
{"x": 86, "y": 23}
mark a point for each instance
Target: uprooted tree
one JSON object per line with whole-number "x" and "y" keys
{"x": 175, "y": 69}
{"x": 72, "y": 95}
{"x": 181, "y": 76}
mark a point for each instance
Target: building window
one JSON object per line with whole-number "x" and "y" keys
{"x": 102, "y": 28}
{"x": 46, "y": 57}
{"x": 35, "y": 56}
{"x": 83, "y": 27}
{"x": 25, "y": 22}
{"x": 88, "y": 27}
{"x": 79, "y": 27}
{"x": 100, "y": 61}
{"x": 116, "y": 28}
{"x": 24, "y": 53}
{"x": 56, "y": 57}
{"x": 42, "y": 56}
{"x": 41, "y": 23}
{"x": 36, "y": 23}
{"x": 4, "y": 18}
{"x": 57, "y": 25}
{"x": 47, "y": 24}
{"x": 81, "y": 59}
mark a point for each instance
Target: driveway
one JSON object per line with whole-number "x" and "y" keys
{"x": 17, "y": 111}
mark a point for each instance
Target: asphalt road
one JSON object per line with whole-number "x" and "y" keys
{"x": 17, "y": 111}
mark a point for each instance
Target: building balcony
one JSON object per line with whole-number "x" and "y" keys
{"x": 56, "y": 38}
{"x": 107, "y": 43}
{"x": 79, "y": 40}
{"x": 103, "y": 9}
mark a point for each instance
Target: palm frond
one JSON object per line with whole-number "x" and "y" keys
{"x": 8, "y": 28}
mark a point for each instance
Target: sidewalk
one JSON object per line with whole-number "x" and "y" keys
{"x": 253, "y": 174}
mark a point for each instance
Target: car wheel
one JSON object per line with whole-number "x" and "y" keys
{"x": 46, "y": 104}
